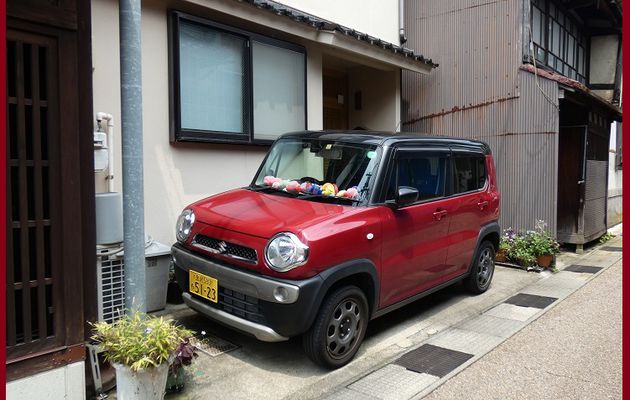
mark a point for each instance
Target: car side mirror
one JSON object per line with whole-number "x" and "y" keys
{"x": 406, "y": 195}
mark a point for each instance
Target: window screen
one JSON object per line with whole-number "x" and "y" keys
{"x": 421, "y": 170}
{"x": 212, "y": 79}
{"x": 278, "y": 91}
{"x": 469, "y": 173}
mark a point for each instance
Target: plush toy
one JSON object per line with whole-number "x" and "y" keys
{"x": 276, "y": 184}
{"x": 328, "y": 189}
{"x": 293, "y": 186}
{"x": 316, "y": 189}
{"x": 352, "y": 193}
{"x": 270, "y": 180}
{"x": 341, "y": 193}
{"x": 306, "y": 187}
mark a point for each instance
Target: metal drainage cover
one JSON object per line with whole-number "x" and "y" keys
{"x": 583, "y": 269}
{"x": 434, "y": 360}
{"x": 214, "y": 346}
{"x": 530, "y": 300}
{"x": 612, "y": 248}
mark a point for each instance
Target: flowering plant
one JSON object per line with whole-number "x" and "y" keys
{"x": 139, "y": 341}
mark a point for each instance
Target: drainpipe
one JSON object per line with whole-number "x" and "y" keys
{"x": 401, "y": 22}
{"x": 132, "y": 171}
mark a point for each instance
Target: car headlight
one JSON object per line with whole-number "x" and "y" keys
{"x": 285, "y": 251}
{"x": 184, "y": 224}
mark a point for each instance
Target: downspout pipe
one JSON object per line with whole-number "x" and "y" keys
{"x": 132, "y": 158}
{"x": 401, "y": 22}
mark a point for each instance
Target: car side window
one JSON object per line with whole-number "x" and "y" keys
{"x": 424, "y": 171}
{"x": 469, "y": 173}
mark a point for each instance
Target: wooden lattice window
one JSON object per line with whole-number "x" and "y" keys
{"x": 34, "y": 322}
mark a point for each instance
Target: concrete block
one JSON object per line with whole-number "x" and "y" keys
{"x": 511, "y": 311}
{"x": 393, "y": 382}
{"x": 495, "y": 326}
{"x": 466, "y": 341}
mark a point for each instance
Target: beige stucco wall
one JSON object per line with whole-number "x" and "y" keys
{"x": 176, "y": 175}
{"x": 375, "y": 17}
{"x": 380, "y": 98}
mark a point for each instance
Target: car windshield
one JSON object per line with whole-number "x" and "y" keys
{"x": 319, "y": 169}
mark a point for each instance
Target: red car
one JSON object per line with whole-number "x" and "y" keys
{"x": 338, "y": 228}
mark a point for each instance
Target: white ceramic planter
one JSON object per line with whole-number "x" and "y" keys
{"x": 146, "y": 384}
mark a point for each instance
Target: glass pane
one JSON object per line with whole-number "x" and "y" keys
{"x": 468, "y": 174}
{"x": 555, "y": 35}
{"x": 537, "y": 25}
{"x": 212, "y": 79}
{"x": 580, "y": 66}
{"x": 279, "y": 85}
{"x": 571, "y": 52}
{"x": 423, "y": 171}
{"x": 552, "y": 10}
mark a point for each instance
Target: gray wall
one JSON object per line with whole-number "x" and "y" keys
{"x": 479, "y": 92}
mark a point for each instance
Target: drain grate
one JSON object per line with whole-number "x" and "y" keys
{"x": 433, "y": 360}
{"x": 214, "y": 346}
{"x": 530, "y": 300}
{"x": 612, "y": 248}
{"x": 583, "y": 268}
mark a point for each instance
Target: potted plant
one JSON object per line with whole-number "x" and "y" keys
{"x": 140, "y": 348}
{"x": 504, "y": 247}
{"x": 543, "y": 246}
{"x": 184, "y": 355}
{"x": 520, "y": 252}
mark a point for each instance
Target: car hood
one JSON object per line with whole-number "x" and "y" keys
{"x": 264, "y": 214}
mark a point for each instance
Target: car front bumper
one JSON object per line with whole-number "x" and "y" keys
{"x": 249, "y": 301}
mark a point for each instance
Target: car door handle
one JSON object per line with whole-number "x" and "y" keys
{"x": 439, "y": 214}
{"x": 482, "y": 205}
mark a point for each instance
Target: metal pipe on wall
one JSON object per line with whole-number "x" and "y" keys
{"x": 132, "y": 158}
{"x": 401, "y": 22}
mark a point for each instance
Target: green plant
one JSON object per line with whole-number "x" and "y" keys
{"x": 520, "y": 252}
{"x": 606, "y": 237}
{"x": 541, "y": 243}
{"x": 504, "y": 244}
{"x": 139, "y": 341}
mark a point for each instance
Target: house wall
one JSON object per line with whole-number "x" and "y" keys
{"x": 60, "y": 383}
{"x": 380, "y": 99}
{"x": 479, "y": 92}
{"x": 378, "y": 18}
{"x": 178, "y": 174}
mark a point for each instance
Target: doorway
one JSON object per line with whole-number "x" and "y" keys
{"x": 335, "y": 88}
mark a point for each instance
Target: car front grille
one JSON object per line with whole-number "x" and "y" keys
{"x": 224, "y": 248}
{"x": 241, "y": 305}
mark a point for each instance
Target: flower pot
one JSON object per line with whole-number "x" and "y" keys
{"x": 544, "y": 260}
{"x": 175, "y": 381}
{"x": 501, "y": 256}
{"x": 146, "y": 384}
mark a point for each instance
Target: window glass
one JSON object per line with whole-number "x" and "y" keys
{"x": 212, "y": 79}
{"x": 278, "y": 91}
{"x": 469, "y": 173}
{"x": 421, "y": 170}
{"x": 537, "y": 25}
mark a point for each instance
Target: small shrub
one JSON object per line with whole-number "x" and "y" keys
{"x": 606, "y": 237}
{"x": 140, "y": 341}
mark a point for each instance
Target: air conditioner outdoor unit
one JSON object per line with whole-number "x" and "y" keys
{"x": 110, "y": 270}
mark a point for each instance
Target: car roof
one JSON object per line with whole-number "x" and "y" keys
{"x": 389, "y": 139}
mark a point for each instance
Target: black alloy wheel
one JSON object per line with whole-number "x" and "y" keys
{"x": 482, "y": 270}
{"x": 339, "y": 328}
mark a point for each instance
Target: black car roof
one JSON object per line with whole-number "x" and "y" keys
{"x": 388, "y": 139}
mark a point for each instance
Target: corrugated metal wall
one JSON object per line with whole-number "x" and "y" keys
{"x": 479, "y": 92}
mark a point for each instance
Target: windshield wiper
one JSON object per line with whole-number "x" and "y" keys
{"x": 257, "y": 188}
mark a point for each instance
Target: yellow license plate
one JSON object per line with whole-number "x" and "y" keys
{"x": 203, "y": 286}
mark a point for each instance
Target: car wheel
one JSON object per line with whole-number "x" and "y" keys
{"x": 482, "y": 269}
{"x": 338, "y": 329}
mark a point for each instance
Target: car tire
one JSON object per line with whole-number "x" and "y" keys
{"x": 338, "y": 329}
{"x": 482, "y": 270}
